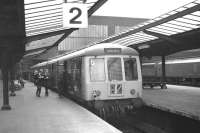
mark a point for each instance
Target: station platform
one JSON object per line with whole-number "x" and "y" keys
{"x": 181, "y": 100}
{"x": 52, "y": 114}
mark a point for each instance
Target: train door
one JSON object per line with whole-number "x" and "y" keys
{"x": 115, "y": 77}
{"x": 97, "y": 76}
{"x": 74, "y": 71}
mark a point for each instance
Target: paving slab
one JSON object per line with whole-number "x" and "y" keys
{"x": 182, "y": 100}
{"x": 52, "y": 114}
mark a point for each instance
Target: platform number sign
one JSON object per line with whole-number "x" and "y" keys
{"x": 75, "y": 15}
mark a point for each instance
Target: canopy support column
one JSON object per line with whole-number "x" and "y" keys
{"x": 5, "y": 73}
{"x": 163, "y": 79}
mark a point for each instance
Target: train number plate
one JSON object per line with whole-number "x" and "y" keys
{"x": 115, "y": 89}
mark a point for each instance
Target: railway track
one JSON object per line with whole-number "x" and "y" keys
{"x": 127, "y": 124}
{"x": 151, "y": 120}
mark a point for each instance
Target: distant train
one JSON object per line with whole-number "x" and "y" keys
{"x": 179, "y": 71}
{"x": 105, "y": 76}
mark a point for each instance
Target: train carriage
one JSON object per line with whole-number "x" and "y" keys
{"x": 103, "y": 75}
{"x": 178, "y": 71}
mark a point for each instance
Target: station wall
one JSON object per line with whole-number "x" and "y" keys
{"x": 99, "y": 28}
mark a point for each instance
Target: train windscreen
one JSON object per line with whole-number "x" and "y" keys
{"x": 114, "y": 69}
{"x": 130, "y": 67}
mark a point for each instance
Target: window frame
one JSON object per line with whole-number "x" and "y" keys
{"x": 122, "y": 71}
{"x": 130, "y": 57}
{"x": 103, "y": 58}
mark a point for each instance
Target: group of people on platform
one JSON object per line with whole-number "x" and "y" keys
{"x": 40, "y": 80}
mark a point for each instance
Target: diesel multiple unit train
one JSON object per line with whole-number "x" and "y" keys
{"x": 179, "y": 71}
{"x": 105, "y": 76}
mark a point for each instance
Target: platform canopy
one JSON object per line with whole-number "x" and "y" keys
{"x": 44, "y": 22}
{"x": 172, "y": 32}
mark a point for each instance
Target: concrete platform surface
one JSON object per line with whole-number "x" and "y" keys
{"x": 31, "y": 114}
{"x": 182, "y": 100}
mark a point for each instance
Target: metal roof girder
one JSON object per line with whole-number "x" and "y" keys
{"x": 97, "y": 5}
{"x": 161, "y": 21}
{"x": 132, "y": 38}
{"x": 37, "y": 49}
{"x": 58, "y": 41}
{"x": 164, "y": 37}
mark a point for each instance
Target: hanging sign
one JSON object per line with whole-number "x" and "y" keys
{"x": 75, "y": 15}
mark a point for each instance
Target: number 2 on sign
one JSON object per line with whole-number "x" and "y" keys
{"x": 75, "y": 15}
{"x": 74, "y": 19}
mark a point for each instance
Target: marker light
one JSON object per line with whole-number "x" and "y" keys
{"x": 132, "y": 91}
{"x": 96, "y": 93}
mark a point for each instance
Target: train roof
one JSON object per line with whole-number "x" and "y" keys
{"x": 94, "y": 50}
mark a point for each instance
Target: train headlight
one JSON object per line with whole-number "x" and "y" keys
{"x": 132, "y": 91}
{"x": 96, "y": 93}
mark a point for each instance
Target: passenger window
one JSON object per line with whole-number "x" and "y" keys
{"x": 130, "y": 67}
{"x": 97, "y": 70}
{"x": 114, "y": 69}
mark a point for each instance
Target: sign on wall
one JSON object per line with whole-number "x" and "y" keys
{"x": 75, "y": 15}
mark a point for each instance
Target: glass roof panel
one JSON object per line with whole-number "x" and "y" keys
{"x": 193, "y": 17}
{"x": 188, "y": 21}
{"x": 142, "y": 35}
{"x": 44, "y": 17}
{"x": 42, "y": 9}
{"x": 123, "y": 41}
{"x": 35, "y": 1}
{"x": 39, "y": 11}
{"x": 59, "y": 10}
{"x": 135, "y": 38}
{"x": 42, "y": 22}
{"x": 56, "y": 28}
{"x": 158, "y": 28}
{"x": 180, "y": 20}
{"x": 176, "y": 26}
{"x": 44, "y": 26}
{"x": 43, "y": 4}
{"x": 131, "y": 39}
{"x": 196, "y": 13}
{"x": 147, "y": 37}
{"x": 172, "y": 12}
{"x": 160, "y": 32}
{"x": 181, "y": 9}
{"x": 184, "y": 24}
{"x": 168, "y": 28}
{"x": 190, "y": 5}
{"x": 165, "y": 15}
